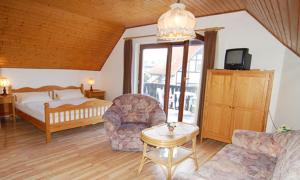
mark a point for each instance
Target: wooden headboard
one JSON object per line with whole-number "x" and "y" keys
{"x": 46, "y": 88}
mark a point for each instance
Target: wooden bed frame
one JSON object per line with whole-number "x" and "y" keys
{"x": 88, "y": 112}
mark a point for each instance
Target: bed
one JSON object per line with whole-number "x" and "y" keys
{"x": 54, "y": 114}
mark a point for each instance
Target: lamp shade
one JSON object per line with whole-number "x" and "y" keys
{"x": 177, "y": 24}
{"x": 4, "y": 82}
{"x": 91, "y": 81}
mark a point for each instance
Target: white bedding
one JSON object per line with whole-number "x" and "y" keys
{"x": 36, "y": 109}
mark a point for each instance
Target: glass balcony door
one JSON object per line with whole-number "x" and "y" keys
{"x": 152, "y": 71}
{"x": 171, "y": 73}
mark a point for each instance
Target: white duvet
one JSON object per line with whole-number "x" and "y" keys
{"x": 36, "y": 109}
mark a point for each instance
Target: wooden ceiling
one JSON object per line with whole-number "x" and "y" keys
{"x": 130, "y": 13}
{"x": 80, "y": 34}
{"x": 281, "y": 18}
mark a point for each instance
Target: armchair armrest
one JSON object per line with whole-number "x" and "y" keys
{"x": 112, "y": 120}
{"x": 259, "y": 142}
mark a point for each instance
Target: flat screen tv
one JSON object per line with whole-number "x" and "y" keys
{"x": 237, "y": 59}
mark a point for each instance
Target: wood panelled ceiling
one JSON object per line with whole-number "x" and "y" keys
{"x": 38, "y": 36}
{"x": 80, "y": 34}
{"x": 281, "y": 18}
{"x": 132, "y": 13}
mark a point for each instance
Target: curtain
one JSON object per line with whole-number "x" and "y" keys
{"x": 210, "y": 39}
{"x": 127, "y": 66}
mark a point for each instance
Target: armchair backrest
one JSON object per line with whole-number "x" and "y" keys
{"x": 136, "y": 108}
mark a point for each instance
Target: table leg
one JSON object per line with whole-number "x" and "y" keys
{"x": 169, "y": 167}
{"x": 143, "y": 158}
{"x": 194, "y": 146}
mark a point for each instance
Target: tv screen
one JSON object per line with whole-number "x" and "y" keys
{"x": 237, "y": 59}
{"x": 234, "y": 57}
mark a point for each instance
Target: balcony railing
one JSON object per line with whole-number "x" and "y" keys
{"x": 157, "y": 90}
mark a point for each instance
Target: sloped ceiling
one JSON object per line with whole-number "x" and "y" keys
{"x": 281, "y": 18}
{"x": 80, "y": 34}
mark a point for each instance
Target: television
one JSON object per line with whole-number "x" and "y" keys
{"x": 237, "y": 59}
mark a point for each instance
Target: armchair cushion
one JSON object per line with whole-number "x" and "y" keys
{"x": 256, "y": 141}
{"x": 234, "y": 162}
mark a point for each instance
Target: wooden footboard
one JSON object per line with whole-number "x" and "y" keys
{"x": 69, "y": 116}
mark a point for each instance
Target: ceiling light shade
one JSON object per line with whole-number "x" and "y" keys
{"x": 177, "y": 24}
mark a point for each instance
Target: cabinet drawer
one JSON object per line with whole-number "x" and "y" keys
{"x": 95, "y": 94}
{"x": 4, "y": 100}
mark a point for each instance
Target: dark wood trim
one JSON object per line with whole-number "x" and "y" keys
{"x": 140, "y": 70}
{"x": 199, "y": 37}
{"x": 183, "y": 80}
{"x": 160, "y": 45}
{"x": 167, "y": 83}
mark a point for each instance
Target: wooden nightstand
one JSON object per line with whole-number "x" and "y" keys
{"x": 6, "y": 103}
{"x": 95, "y": 94}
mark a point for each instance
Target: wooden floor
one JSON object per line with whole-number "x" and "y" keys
{"x": 81, "y": 153}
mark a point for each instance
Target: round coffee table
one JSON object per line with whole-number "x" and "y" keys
{"x": 169, "y": 151}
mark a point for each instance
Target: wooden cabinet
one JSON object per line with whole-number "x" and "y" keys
{"x": 235, "y": 100}
{"x": 7, "y": 106}
{"x": 95, "y": 94}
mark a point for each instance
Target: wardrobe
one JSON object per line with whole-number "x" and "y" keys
{"x": 235, "y": 99}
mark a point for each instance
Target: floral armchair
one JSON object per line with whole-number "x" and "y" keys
{"x": 127, "y": 117}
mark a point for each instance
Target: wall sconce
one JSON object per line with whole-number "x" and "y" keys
{"x": 91, "y": 82}
{"x": 4, "y": 82}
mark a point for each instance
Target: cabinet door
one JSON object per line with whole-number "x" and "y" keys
{"x": 250, "y": 97}
{"x": 217, "y": 123}
{"x": 217, "y": 106}
{"x": 248, "y": 119}
{"x": 219, "y": 88}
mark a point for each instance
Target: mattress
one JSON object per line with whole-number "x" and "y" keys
{"x": 36, "y": 109}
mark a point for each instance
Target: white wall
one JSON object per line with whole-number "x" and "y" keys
{"x": 288, "y": 110}
{"x": 111, "y": 75}
{"x": 41, "y": 77}
{"x": 241, "y": 30}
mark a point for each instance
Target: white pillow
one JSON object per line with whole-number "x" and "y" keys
{"x": 68, "y": 94}
{"x": 27, "y": 97}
